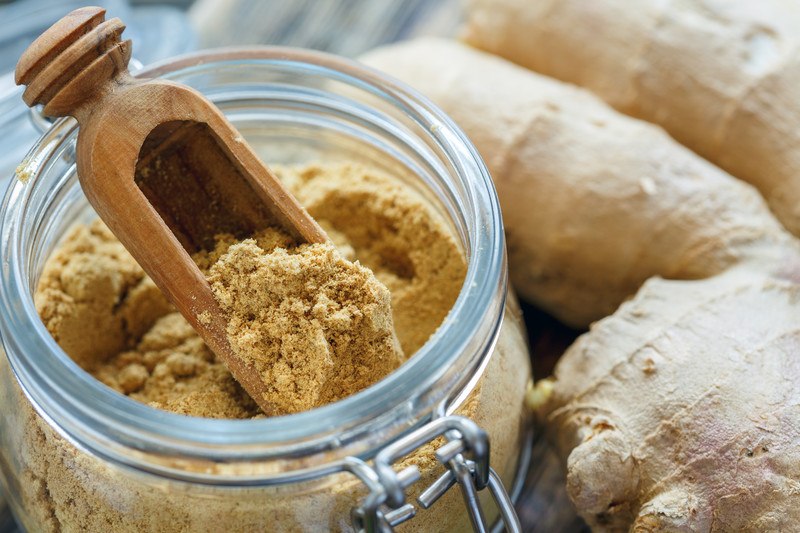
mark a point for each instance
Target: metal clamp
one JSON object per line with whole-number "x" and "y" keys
{"x": 465, "y": 455}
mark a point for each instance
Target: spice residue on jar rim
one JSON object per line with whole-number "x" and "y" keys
{"x": 111, "y": 319}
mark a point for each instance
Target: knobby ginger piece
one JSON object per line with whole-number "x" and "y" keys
{"x": 722, "y": 77}
{"x": 316, "y": 327}
{"x": 594, "y": 203}
{"x": 681, "y": 412}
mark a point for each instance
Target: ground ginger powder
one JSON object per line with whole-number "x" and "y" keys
{"x": 316, "y": 320}
{"x": 111, "y": 319}
{"x": 316, "y": 327}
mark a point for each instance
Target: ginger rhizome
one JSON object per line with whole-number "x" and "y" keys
{"x": 681, "y": 411}
{"x": 720, "y": 76}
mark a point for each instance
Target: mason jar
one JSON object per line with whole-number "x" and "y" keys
{"x": 75, "y": 455}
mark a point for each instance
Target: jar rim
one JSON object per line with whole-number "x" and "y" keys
{"x": 88, "y": 411}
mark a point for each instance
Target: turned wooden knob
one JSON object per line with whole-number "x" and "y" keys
{"x": 73, "y": 61}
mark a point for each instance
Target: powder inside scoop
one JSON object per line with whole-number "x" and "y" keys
{"x": 316, "y": 326}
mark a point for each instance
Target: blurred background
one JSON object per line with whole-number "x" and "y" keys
{"x": 164, "y": 29}
{"x": 346, "y": 27}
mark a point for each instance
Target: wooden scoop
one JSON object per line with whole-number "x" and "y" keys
{"x": 161, "y": 166}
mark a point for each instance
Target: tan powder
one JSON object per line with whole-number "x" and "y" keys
{"x": 64, "y": 489}
{"x": 316, "y": 325}
{"x": 107, "y": 314}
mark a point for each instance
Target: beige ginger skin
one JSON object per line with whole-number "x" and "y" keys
{"x": 681, "y": 411}
{"x": 721, "y": 76}
{"x": 594, "y": 203}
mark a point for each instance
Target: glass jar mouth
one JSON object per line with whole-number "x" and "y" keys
{"x": 93, "y": 415}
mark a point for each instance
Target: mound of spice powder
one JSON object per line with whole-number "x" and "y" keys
{"x": 316, "y": 327}
{"x": 319, "y": 322}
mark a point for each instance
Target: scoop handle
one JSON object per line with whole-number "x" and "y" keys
{"x": 77, "y": 59}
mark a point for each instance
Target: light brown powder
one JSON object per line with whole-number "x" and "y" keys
{"x": 394, "y": 233}
{"x": 107, "y": 314}
{"x": 316, "y": 327}
{"x": 318, "y": 337}
{"x": 94, "y": 298}
{"x": 171, "y": 368}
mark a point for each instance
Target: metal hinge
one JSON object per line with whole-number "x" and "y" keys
{"x": 465, "y": 455}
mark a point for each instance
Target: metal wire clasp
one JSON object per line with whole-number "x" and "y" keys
{"x": 465, "y": 455}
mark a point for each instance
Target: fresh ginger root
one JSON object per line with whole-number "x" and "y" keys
{"x": 681, "y": 411}
{"x": 722, "y": 77}
{"x": 594, "y": 203}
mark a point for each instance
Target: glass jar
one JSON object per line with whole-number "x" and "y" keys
{"x": 75, "y": 455}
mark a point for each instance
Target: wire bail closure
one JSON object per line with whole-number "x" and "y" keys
{"x": 465, "y": 455}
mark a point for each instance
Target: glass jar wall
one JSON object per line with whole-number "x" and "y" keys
{"x": 77, "y": 456}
